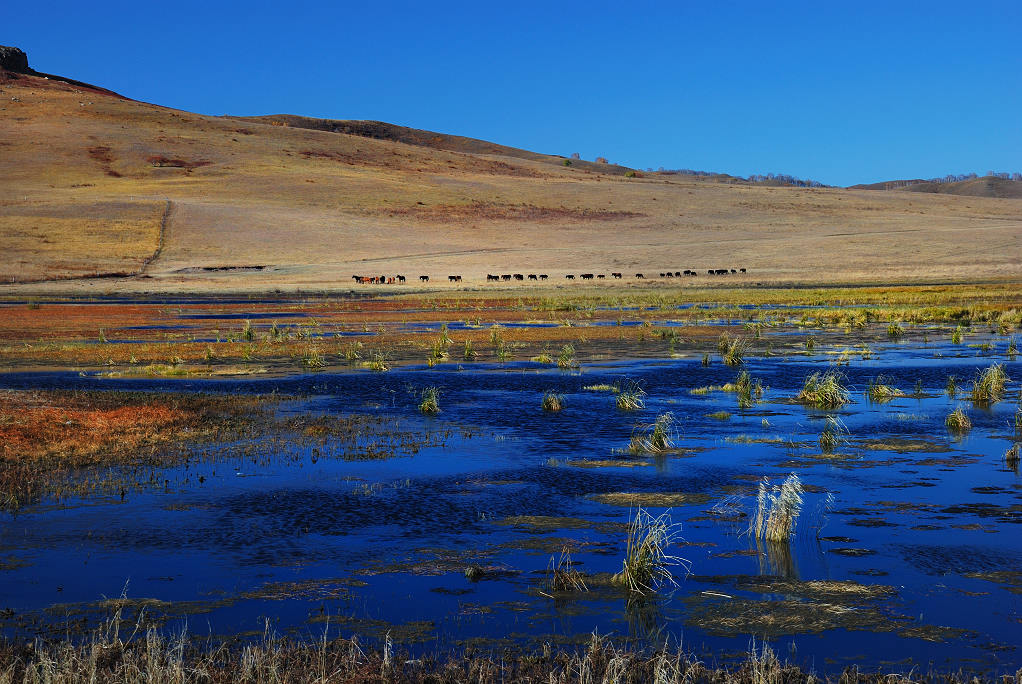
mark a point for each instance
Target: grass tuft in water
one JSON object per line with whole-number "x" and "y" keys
{"x": 958, "y": 421}
{"x": 951, "y": 389}
{"x": 566, "y": 359}
{"x": 719, "y": 415}
{"x": 777, "y": 511}
{"x": 706, "y": 359}
{"x": 1011, "y": 457}
{"x": 248, "y": 332}
{"x": 377, "y": 362}
{"x": 895, "y": 331}
{"x": 647, "y": 561}
{"x": 810, "y": 343}
{"x": 879, "y": 392}
{"x": 956, "y": 335}
{"x": 749, "y": 391}
{"x": 988, "y": 387}
{"x": 732, "y": 349}
{"x": 430, "y": 401}
{"x": 832, "y": 435}
{"x": 469, "y": 354}
{"x": 1012, "y": 348}
{"x": 656, "y": 437}
{"x": 631, "y": 397}
{"x": 562, "y": 574}
{"x": 824, "y": 391}
{"x": 552, "y": 401}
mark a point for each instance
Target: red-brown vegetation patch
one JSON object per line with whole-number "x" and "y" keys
{"x": 105, "y": 157}
{"x": 88, "y": 428}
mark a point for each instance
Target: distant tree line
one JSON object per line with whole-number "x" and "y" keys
{"x": 952, "y": 178}
{"x": 779, "y": 178}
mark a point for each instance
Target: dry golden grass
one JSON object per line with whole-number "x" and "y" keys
{"x": 315, "y": 207}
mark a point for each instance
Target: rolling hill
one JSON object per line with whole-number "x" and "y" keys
{"x": 102, "y": 192}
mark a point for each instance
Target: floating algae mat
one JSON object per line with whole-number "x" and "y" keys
{"x": 345, "y": 508}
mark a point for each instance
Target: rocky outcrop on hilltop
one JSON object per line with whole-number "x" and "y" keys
{"x": 14, "y": 59}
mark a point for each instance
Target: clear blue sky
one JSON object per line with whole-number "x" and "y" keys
{"x": 839, "y": 92}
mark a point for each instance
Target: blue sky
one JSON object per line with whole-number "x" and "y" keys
{"x": 837, "y": 92}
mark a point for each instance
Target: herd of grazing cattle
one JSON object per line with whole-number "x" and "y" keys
{"x": 400, "y": 279}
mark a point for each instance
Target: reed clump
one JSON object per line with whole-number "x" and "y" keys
{"x": 656, "y": 437}
{"x": 749, "y": 391}
{"x": 631, "y": 397}
{"x": 832, "y": 435}
{"x": 1011, "y": 457}
{"x": 958, "y": 421}
{"x": 732, "y": 349}
{"x": 430, "y": 401}
{"x": 778, "y": 508}
{"x": 552, "y": 401}
{"x": 824, "y": 391}
{"x": 646, "y": 568}
{"x": 566, "y": 359}
{"x": 988, "y": 387}
{"x": 879, "y": 392}
{"x": 563, "y": 576}
{"x": 895, "y": 331}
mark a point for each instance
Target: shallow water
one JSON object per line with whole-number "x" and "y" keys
{"x": 314, "y": 536}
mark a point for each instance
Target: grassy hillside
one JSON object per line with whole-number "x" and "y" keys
{"x": 97, "y": 184}
{"x": 987, "y": 186}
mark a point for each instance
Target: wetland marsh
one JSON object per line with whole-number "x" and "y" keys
{"x": 289, "y": 469}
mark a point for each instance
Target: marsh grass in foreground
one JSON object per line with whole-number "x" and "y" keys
{"x": 147, "y": 655}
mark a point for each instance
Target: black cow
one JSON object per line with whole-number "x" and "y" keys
{"x": 424, "y": 279}
{"x": 741, "y": 270}
{"x": 400, "y": 279}
{"x": 543, "y": 276}
{"x": 533, "y": 276}
{"x": 710, "y": 271}
{"x": 601, "y": 276}
{"x": 616, "y": 275}
{"x": 669, "y": 274}
{"x": 519, "y": 276}
{"x": 677, "y": 273}
{"x": 638, "y": 275}
{"x": 734, "y": 271}
{"x": 587, "y": 276}
{"x": 492, "y": 277}
{"x": 721, "y": 271}
{"x": 570, "y": 277}
{"x": 505, "y": 276}
{"x": 454, "y": 278}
